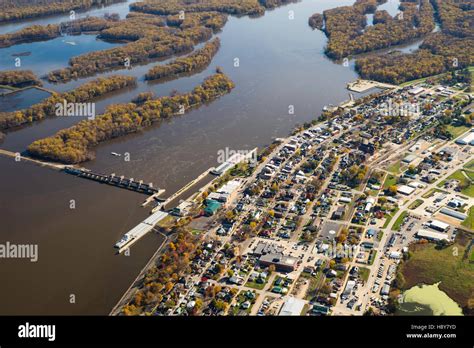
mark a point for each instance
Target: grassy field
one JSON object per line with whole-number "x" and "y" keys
{"x": 372, "y": 255}
{"x": 167, "y": 222}
{"x": 469, "y": 165}
{"x": 469, "y": 174}
{"x": 314, "y": 284}
{"x": 379, "y": 235}
{"x": 364, "y": 273}
{"x": 469, "y": 222}
{"x": 416, "y": 204}
{"x": 413, "y": 82}
{"x": 387, "y": 221}
{"x": 450, "y": 266}
{"x": 395, "y": 168}
{"x": 464, "y": 181}
{"x": 390, "y": 181}
{"x": 457, "y": 131}
{"x": 373, "y": 193}
{"x": 255, "y": 285}
{"x": 389, "y": 217}
{"x": 398, "y": 224}
{"x": 431, "y": 192}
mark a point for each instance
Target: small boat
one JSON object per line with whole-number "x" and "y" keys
{"x": 71, "y": 43}
{"x": 116, "y": 154}
{"x": 122, "y": 242}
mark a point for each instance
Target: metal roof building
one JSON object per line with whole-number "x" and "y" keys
{"x": 416, "y": 90}
{"x": 212, "y": 207}
{"x": 432, "y": 235}
{"x": 467, "y": 139}
{"x": 453, "y": 213}
{"x": 439, "y": 226}
{"x": 405, "y": 190}
{"x": 292, "y": 306}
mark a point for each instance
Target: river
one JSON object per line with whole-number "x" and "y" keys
{"x": 282, "y": 63}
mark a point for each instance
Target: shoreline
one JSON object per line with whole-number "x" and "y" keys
{"x": 367, "y": 85}
{"x": 116, "y": 310}
{"x": 127, "y": 295}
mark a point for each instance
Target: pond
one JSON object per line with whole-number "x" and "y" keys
{"x": 428, "y": 300}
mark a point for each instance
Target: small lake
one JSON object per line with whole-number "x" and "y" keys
{"x": 46, "y": 56}
{"x": 428, "y": 300}
{"x": 22, "y": 99}
{"x": 391, "y": 6}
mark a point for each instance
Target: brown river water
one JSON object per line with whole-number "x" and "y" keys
{"x": 282, "y": 63}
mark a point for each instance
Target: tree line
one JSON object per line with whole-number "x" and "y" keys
{"x": 83, "y": 93}
{"x": 171, "y": 7}
{"x": 161, "y": 278}
{"x": 17, "y": 10}
{"x": 74, "y": 145}
{"x": 146, "y": 39}
{"x": 213, "y": 20}
{"x": 232, "y": 7}
{"x": 316, "y": 21}
{"x": 448, "y": 50}
{"x": 397, "y": 67}
{"x": 197, "y": 60}
{"x": 136, "y": 27}
{"x": 51, "y": 31}
{"x": 457, "y": 17}
{"x": 30, "y": 34}
{"x": 146, "y": 36}
{"x": 19, "y": 78}
{"x": 348, "y": 33}
{"x": 275, "y": 3}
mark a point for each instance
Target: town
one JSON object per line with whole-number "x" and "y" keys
{"x": 319, "y": 223}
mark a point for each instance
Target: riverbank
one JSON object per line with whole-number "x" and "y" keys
{"x": 169, "y": 155}
{"x": 128, "y": 294}
{"x": 126, "y": 304}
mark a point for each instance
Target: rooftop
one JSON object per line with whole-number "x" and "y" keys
{"x": 292, "y": 306}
